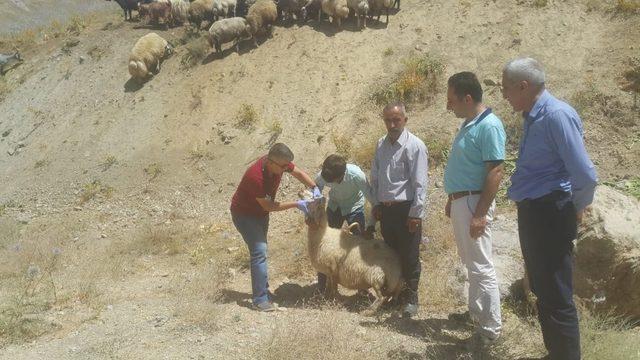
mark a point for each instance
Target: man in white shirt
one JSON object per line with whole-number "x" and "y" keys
{"x": 399, "y": 187}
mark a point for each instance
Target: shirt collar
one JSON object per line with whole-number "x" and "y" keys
{"x": 475, "y": 119}
{"x": 402, "y": 139}
{"x": 540, "y": 103}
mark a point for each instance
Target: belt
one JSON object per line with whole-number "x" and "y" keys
{"x": 460, "y": 194}
{"x": 554, "y": 196}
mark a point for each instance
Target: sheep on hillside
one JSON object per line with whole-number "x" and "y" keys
{"x": 199, "y": 11}
{"x": 377, "y": 6}
{"x": 261, "y": 16}
{"x": 179, "y": 11}
{"x": 337, "y": 9}
{"x": 227, "y": 30}
{"x": 127, "y": 6}
{"x": 224, "y": 8}
{"x": 6, "y": 59}
{"x": 360, "y": 8}
{"x": 146, "y": 56}
{"x": 243, "y": 6}
{"x": 350, "y": 260}
{"x": 288, "y": 8}
{"x": 156, "y": 12}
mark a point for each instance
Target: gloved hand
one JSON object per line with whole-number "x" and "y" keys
{"x": 302, "y": 205}
{"x": 316, "y": 192}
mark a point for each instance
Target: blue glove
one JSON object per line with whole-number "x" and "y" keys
{"x": 316, "y": 192}
{"x": 302, "y": 206}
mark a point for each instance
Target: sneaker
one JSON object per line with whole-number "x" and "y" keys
{"x": 409, "y": 310}
{"x": 266, "y": 306}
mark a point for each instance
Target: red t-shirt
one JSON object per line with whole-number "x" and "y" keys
{"x": 256, "y": 183}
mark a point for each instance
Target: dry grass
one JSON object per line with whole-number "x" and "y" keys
{"x": 197, "y": 50}
{"x": 327, "y": 337}
{"x": 437, "y": 148}
{"x": 153, "y": 170}
{"x": 94, "y": 189}
{"x": 628, "y": 6}
{"x": 247, "y": 117}
{"x": 540, "y": 3}
{"x": 343, "y": 144}
{"x": 5, "y": 88}
{"x": 417, "y": 82}
{"x": 632, "y": 79}
{"x": 591, "y": 102}
{"x": 166, "y": 239}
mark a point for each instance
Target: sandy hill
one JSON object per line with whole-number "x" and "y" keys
{"x": 114, "y": 198}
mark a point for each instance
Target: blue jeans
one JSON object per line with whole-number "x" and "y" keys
{"x": 335, "y": 220}
{"x": 254, "y": 232}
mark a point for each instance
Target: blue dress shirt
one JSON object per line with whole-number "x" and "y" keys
{"x": 552, "y": 155}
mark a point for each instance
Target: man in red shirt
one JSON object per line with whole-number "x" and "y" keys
{"x": 250, "y": 207}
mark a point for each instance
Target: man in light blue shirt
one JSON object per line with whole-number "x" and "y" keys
{"x": 349, "y": 188}
{"x": 553, "y": 182}
{"x": 471, "y": 179}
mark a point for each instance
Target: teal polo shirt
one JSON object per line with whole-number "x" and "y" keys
{"x": 481, "y": 139}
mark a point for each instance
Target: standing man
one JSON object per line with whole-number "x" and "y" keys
{"x": 250, "y": 207}
{"x": 349, "y": 188}
{"x": 554, "y": 181}
{"x": 399, "y": 186}
{"x": 471, "y": 179}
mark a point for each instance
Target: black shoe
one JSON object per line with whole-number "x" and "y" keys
{"x": 409, "y": 310}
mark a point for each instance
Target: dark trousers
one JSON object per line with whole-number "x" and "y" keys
{"x": 335, "y": 220}
{"x": 547, "y": 227}
{"x": 395, "y": 233}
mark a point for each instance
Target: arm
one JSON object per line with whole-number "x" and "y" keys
{"x": 495, "y": 172}
{"x": 565, "y": 132}
{"x": 302, "y": 177}
{"x": 320, "y": 183}
{"x": 270, "y": 205}
{"x": 419, "y": 179}
{"x": 375, "y": 205}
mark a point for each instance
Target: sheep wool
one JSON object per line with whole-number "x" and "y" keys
{"x": 179, "y": 11}
{"x": 352, "y": 261}
{"x": 360, "y": 8}
{"x": 261, "y": 15}
{"x": 201, "y": 10}
{"x": 337, "y": 9}
{"x": 224, "y": 8}
{"x": 227, "y": 30}
{"x": 146, "y": 56}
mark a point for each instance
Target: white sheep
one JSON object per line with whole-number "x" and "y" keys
{"x": 377, "y": 6}
{"x": 350, "y": 260}
{"x": 261, "y": 16}
{"x": 146, "y": 56}
{"x": 179, "y": 11}
{"x": 224, "y": 8}
{"x": 360, "y": 8}
{"x": 227, "y": 30}
{"x": 199, "y": 11}
{"x": 337, "y": 9}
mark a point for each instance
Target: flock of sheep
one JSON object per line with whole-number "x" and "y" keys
{"x": 232, "y": 21}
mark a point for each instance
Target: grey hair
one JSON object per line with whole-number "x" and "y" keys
{"x": 396, "y": 104}
{"x": 525, "y": 69}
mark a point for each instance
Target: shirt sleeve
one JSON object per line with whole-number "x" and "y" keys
{"x": 419, "y": 180}
{"x": 492, "y": 144}
{"x": 565, "y": 131}
{"x": 374, "y": 177}
{"x": 320, "y": 183}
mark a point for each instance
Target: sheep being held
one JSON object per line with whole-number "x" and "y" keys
{"x": 146, "y": 56}
{"x": 227, "y": 30}
{"x": 351, "y": 260}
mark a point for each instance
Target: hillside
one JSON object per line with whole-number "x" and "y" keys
{"x": 114, "y": 198}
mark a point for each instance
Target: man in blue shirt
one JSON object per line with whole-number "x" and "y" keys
{"x": 471, "y": 179}
{"x": 349, "y": 188}
{"x": 553, "y": 182}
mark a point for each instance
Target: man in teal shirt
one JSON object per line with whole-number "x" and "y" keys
{"x": 349, "y": 188}
{"x": 471, "y": 179}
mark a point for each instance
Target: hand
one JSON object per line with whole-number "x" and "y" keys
{"x": 447, "y": 208}
{"x": 414, "y": 224}
{"x": 377, "y": 212}
{"x": 368, "y": 232}
{"x": 316, "y": 192}
{"x": 580, "y": 215}
{"x": 302, "y": 205}
{"x": 477, "y": 227}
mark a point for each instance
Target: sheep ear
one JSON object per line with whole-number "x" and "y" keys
{"x": 353, "y": 227}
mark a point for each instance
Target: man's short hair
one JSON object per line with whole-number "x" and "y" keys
{"x": 333, "y": 168}
{"x": 280, "y": 151}
{"x": 466, "y": 83}
{"x": 396, "y": 104}
{"x": 525, "y": 69}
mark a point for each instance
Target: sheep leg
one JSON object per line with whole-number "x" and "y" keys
{"x": 387, "y": 16}
{"x": 380, "y": 299}
{"x": 319, "y": 15}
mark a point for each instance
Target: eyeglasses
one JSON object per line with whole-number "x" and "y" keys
{"x": 281, "y": 166}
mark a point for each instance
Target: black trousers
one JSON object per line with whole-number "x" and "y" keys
{"x": 547, "y": 227}
{"x": 396, "y": 234}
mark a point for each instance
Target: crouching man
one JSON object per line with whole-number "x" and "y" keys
{"x": 251, "y": 204}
